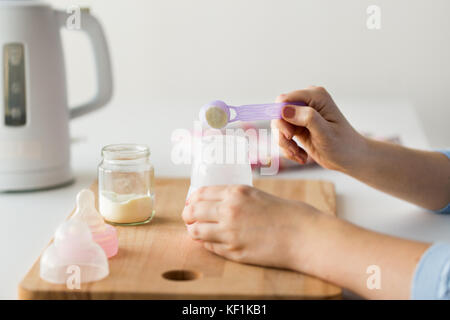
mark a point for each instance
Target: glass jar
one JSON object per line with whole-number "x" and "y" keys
{"x": 126, "y": 184}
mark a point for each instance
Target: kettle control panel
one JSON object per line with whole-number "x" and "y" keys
{"x": 14, "y": 85}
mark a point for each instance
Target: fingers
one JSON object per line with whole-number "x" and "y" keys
{"x": 304, "y": 95}
{"x": 205, "y": 211}
{"x": 285, "y": 128}
{"x": 289, "y": 147}
{"x": 225, "y": 250}
{"x": 305, "y": 117}
{"x": 281, "y": 98}
{"x": 206, "y": 232}
{"x": 211, "y": 193}
{"x": 292, "y": 150}
{"x": 218, "y": 248}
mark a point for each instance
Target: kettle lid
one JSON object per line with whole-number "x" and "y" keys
{"x": 22, "y": 3}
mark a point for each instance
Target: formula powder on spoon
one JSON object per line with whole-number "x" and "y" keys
{"x": 216, "y": 117}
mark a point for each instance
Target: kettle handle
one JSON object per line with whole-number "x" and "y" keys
{"x": 94, "y": 30}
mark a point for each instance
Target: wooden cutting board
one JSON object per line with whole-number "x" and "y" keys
{"x": 150, "y": 254}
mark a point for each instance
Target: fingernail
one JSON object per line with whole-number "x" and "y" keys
{"x": 287, "y": 135}
{"x": 293, "y": 150}
{"x": 289, "y": 153}
{"x": 280, "y": 98}
{"x": 299, "y": 159}
{"x": 288, "y": 112}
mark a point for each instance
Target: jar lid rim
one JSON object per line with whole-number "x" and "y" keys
{"x": 125, "y": 151}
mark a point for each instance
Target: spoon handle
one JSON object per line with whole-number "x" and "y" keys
{"x": 267, "y": 111}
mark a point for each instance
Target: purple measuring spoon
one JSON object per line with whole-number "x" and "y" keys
{"x": 217, "y": 113}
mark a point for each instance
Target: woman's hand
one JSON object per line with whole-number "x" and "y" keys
{"x": 331, "y": 141}
{"x": 320, "y": 127}
{"x": 247, "y": 225}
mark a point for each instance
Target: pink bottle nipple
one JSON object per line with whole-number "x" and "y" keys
{"x": 104, "y": 234}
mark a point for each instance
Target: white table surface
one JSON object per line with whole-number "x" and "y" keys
{"x": 28, "y": 220}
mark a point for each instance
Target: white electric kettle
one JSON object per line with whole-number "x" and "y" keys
{"x": 34, "y": 113}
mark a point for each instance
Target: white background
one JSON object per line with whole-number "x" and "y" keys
{"x": 186, "y": 53}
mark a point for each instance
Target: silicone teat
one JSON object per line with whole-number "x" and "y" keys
{"x": 87, "y": 212}
{"x": 73, "y": 253}
{"x": 104, "y": 234}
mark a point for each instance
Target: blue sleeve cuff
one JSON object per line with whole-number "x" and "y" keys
{"x": 446, "y": 152}
{"x": 431, "y": 279}
{"x": 447, "y": 208}
{"x": 444, "y": 210}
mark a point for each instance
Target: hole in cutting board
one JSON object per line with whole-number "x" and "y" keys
{"x": 181, "y": 275}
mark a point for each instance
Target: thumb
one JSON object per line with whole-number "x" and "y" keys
{"x": 304, "y": 117}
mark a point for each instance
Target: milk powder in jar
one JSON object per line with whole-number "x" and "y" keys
{"x": 126, "y": 184}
